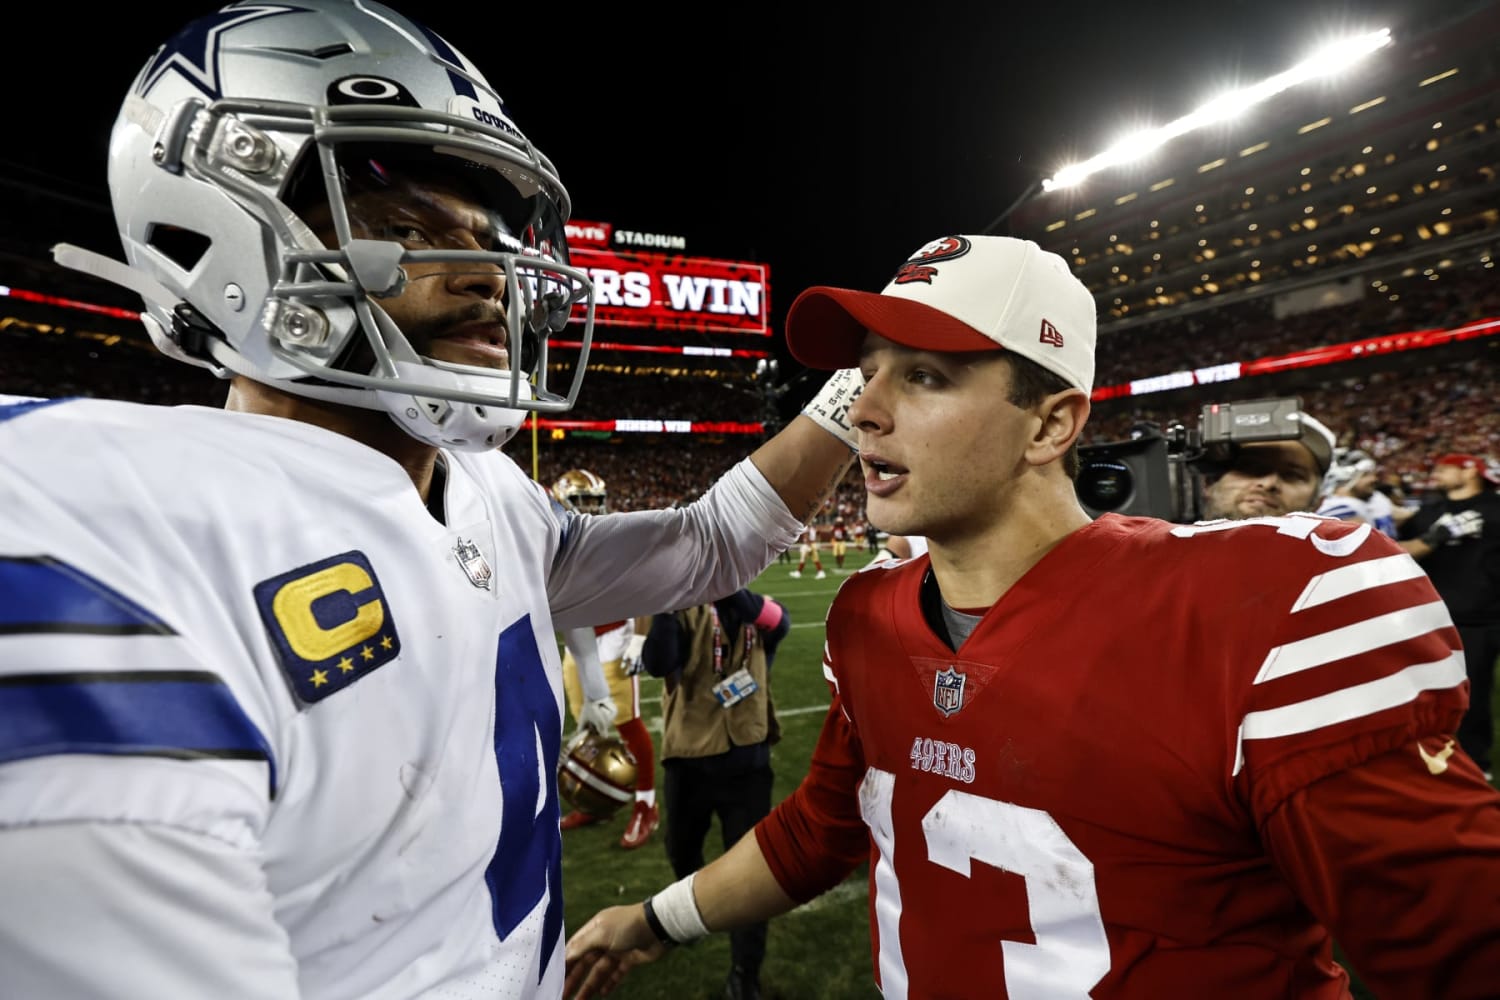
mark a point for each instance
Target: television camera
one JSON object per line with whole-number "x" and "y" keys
{"x": 1161, "y": 472}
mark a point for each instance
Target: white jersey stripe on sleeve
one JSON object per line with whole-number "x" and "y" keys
{"x": 1355, "y": 702}
{"x": 1348, "y": 580}
{"x": 1352, "y": 640}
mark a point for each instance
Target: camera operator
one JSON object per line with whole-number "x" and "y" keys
{"x": 1270, "y": 478}
{"x": 1250, "y": 458}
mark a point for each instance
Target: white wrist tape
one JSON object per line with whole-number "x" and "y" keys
{"x": 678, "y": 911}
{"x": 830, "y": 407}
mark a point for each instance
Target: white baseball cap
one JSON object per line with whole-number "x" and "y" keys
{"x": 958, "y": 293}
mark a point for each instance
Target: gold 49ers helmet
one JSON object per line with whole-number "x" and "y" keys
{"x": 581, "y": 490}
{"x": 597, "y": 774}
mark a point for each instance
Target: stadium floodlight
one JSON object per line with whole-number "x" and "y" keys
{"x": 1326, "y": 61}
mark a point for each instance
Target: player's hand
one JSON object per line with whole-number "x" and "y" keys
{"x": 597, "y": 715}
{"x": 631, "y": 663}
{"x": 829, "y": 409}
{"x": 614, "y": 941}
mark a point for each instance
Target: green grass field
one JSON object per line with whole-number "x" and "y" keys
{"x": 820, "y": 951}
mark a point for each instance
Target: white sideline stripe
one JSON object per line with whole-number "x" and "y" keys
{"x": 655, "y": 724}
{"x": 847, "y": 891}
{"x": 1355, "y": 702}
{"x": 825, "y": 589}
{"x": 1348, "y": 580}
{"x": 780, "y": 712}
{"x": 1351, "y": 640}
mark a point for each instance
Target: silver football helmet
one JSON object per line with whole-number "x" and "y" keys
{"x": 267, "y": 172}
{"x": 1349, "y": 464}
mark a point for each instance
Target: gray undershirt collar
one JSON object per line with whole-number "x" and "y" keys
{"x": 960, "y": 625}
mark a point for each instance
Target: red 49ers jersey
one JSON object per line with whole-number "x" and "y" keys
{"x": 1076, "y": 802}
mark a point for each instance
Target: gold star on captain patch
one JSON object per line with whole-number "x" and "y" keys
{"x": 346, "y": 664}
{"x": 319, "y": 678}
{"x": 367, "y": 653}
{"x": 385, "y": 642}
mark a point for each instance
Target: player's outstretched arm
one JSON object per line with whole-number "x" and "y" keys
{"x": 598, "y": 709}
{"x": 639, "y": 562}
{"x": 807, "y": 459}
{"x": 736, "y": 889}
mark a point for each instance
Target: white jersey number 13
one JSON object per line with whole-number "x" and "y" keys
{"x": 1071, "y": 953}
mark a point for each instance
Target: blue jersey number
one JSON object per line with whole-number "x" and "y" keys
{"x": 528, "y": 860}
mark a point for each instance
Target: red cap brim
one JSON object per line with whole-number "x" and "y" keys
{"x": 1461, "y": 460}
{"x": 825, "y": 327}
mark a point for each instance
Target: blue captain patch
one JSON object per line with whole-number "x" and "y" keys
{"x": 330, "y": 623}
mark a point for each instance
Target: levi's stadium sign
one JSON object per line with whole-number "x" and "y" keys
{"x": 667, "y": 291}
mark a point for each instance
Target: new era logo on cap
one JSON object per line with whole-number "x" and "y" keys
{"x": 958, "y": 293}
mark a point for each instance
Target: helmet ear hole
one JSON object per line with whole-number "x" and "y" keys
{"x": 183, "y": 247}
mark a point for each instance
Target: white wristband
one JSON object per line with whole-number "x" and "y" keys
{"x": 678, "y": 911}
{"x": 829, "y": 409}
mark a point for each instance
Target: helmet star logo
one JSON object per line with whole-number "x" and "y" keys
{"x": 194, "y": 51}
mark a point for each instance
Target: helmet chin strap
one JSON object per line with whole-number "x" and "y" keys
{"x": 97, "y": 265}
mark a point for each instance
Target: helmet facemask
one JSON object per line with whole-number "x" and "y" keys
{"x": 395, "y": 223}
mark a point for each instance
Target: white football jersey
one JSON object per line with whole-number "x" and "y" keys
{"x": 279, "y": 729}
{"x": 1348, "y": 508}
{"x": 1382, "y": 513}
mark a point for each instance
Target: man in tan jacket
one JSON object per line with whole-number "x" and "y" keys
{"x": 719, "y": 726}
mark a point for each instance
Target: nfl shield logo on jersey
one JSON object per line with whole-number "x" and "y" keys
{"x": 473, "y": 562}
{"x": 948, "y": 691}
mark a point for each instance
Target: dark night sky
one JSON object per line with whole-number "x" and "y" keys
{"x": 828, "y": 143}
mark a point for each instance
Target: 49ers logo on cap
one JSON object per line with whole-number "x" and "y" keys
{"x": 919, "y": 266}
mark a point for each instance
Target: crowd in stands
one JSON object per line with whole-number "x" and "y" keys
{"x": 55, "y": 365}
{"x": 1250, "y": 329}
{"x": 641, "y": 471}
{"x": 608, "y": 396}
{"x": 1425, "y": 403}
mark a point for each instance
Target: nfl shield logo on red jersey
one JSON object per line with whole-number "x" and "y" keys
{"x": 948, "y": 691}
